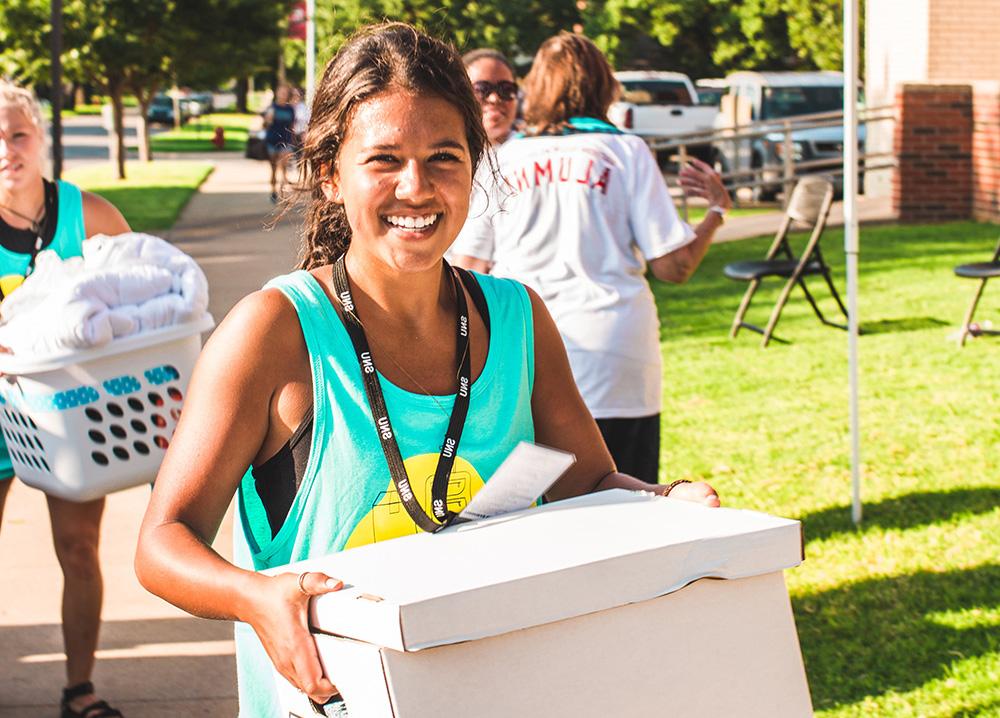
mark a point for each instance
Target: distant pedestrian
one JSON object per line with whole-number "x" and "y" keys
{"x": 37, "y": 214}
{"x": 582, "y": 211}
{"x": 279, "y": 123}
{"x": 301, "y": 118}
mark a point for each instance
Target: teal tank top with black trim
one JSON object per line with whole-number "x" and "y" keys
{"x": 347, "y": 497}
{"x": 67, "y": 242}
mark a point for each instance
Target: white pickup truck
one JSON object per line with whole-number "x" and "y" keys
{"x": 661, "y": 104}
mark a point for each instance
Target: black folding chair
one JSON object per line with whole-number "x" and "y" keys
{"x": 981, "y": 271}
{"x": 809, "y": 205}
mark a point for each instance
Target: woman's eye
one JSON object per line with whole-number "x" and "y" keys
{"x": 382, "y": 159}
{"x": 446, "y": 157}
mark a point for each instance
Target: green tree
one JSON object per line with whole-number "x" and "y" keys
{"x": 515, "y": 27}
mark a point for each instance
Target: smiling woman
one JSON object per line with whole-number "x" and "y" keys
{"x": 375, "y": 373}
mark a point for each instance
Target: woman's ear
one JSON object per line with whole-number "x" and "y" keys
{"x": 331, "y": 188}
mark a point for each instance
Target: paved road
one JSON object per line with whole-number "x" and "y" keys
{"x": 154, "y": 660}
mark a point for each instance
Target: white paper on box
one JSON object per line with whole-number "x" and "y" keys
{"x": 541, "y": 565}
{"x": 527, "y": 473}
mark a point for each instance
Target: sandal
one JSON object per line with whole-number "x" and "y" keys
{"x": 97, "y": 709}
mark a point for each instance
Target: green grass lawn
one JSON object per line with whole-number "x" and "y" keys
{"x": 902, "y": 616}
{"x": 153, "y": 194}
{"x": 696, "y": 214}
{"x": 196, "y": 135}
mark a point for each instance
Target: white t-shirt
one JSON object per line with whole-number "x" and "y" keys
{"x": 576, "y": 217}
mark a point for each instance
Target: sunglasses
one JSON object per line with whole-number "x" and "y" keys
{"x": 505, "y": 90}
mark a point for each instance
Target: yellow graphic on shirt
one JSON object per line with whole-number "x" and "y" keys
{"x": 388, "y": 518}
{"x": 10, "y": 282}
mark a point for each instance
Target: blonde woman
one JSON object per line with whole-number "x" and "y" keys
{"x": 37, "y": 214}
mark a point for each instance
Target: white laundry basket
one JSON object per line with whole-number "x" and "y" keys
{"x": 83, "y": 425}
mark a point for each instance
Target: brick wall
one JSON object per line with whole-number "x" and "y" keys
{"x": 986, "y": 151}
{"x": 963, "y": 40}
{"x": 933, "y": 146}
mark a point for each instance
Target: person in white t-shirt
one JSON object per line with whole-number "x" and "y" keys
{"x": 580, "y": 213}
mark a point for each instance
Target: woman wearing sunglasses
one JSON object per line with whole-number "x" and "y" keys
{"x": 493, "y": 82}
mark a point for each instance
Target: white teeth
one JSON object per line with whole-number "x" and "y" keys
{"x": 412, "y": 222}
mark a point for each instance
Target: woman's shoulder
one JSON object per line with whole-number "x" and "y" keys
{"x": 262, "y": 325}
{"x": 100, "y": 216}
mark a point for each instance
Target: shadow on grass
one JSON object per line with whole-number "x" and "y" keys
{"x": 908, "y": 324}
{"x": 704, "y": 306}
{"x": 904, "y": 512}
{"x": 871, "y": 637}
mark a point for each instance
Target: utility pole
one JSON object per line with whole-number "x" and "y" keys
{"x": 56, "y": 94}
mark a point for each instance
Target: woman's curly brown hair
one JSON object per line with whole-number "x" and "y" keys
{"x": 377, "y": 58}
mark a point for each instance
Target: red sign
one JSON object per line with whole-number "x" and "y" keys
{"x": 297, "y": 21}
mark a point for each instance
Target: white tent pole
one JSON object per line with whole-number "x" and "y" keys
{"x": 310, "y": 51}
{"x": 851, "y": 237}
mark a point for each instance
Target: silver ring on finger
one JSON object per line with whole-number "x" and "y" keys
{"x": 302, "y": 578}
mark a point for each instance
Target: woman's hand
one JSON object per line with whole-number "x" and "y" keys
{"x": 700, "y": 180}
{"x": 697, "y": 492}
{"x": 281, "y": 620}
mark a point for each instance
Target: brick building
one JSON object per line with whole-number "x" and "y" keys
{"x": 938, "y": 63}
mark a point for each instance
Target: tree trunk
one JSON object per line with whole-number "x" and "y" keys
{"x": 145, "y": 97}
{"x": 117, "y": 134}
{"x": 242, "y": 89}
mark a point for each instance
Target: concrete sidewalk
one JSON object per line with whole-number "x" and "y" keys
{"x": 154, "y": 660}
{"x": 871, "y": 210}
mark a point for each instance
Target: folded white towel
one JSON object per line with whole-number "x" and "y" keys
{"x": 120, "y": 286}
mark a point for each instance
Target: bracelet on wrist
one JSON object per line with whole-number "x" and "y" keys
{"x": 673, "y": 484}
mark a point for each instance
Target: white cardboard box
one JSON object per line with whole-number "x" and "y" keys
{"x": 588, "y": 607}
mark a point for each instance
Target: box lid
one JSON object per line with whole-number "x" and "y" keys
{"x": 544, "y": 564}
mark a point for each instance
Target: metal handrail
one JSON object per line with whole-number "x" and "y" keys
{"x": 765, "y": 127}
{"x": 789, "y": 170}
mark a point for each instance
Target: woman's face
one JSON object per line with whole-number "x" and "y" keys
{"x": 21, "y": 147}
{"x": 498, "y": 113}
{"x": 404, "y": 176}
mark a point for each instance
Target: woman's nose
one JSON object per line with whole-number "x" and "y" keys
{"x": 414, "y": 185}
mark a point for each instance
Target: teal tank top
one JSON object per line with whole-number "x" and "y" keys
{"x": 347, "y": 498}
{"x": 69, "y": 236}
{"x": 67, "y": 242}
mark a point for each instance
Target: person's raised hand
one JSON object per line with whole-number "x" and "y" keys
{"x": 698, "y": 492}
{"x": 700, "y": 180}
{"x": 281, "y": 620}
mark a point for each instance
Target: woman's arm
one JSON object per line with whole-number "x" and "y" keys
{"x": 698, "y": 180}
{"x": 231, "y": 411}
{"x": 563, "y": 421}
{"x": 101, "y": 217}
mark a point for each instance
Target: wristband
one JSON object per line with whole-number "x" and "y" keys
{"x": 719, "y": 210}
{"x": 673, "y": 484}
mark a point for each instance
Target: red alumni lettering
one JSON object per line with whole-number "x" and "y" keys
{"x": 571, "y": 169}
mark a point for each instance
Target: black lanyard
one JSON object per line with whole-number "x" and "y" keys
{"x": 442, "y": 516}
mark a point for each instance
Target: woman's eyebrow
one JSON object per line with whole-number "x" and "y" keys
{"x": 441, "y": 144}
